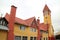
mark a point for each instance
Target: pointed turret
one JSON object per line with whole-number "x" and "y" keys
{"x": 46, "y": 10}
{"x": 47, "y": 20}
{"x": 47, "y": 15}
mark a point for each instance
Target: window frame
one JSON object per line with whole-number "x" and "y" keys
{"x": 1, "y": 22}
{"x": 32, "y": 29}
{"x": 17, "y": 38}
{"x": 31, "y": 38}
{"x": 24, "y": 38}
{"x": 22, "y": 27}
{"x": 35, "y": 38}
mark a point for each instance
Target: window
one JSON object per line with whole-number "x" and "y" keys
{"x": 17, "y": 38}
{"x": 20, "y": 38}
{"x": 1, "y": 22}
{"x": 32, "y": 29}
{"x": 4, "y": 23}
{"x": 22, "y": 27}
{"x": 31, "y": 38}
{"x": 46, "y": 12}
{"x": 40, "y": 38}
{"x": 24, "y": 38}
{"x": 44, "y": 38}
{"x": 34, "y": 38}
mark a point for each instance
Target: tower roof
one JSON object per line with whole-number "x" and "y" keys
{"x": 46, "y": 8}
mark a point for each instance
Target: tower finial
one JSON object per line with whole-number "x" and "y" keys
{"x": 38, "y": 21}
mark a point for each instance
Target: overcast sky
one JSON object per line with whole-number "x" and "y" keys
{"x": 30, "y": 8}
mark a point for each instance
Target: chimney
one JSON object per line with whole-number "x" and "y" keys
{"x": 11, "y": 23}
{"x": 38, "y": 25}
{"x": 38, "y": 21}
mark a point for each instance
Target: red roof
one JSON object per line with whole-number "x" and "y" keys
{"x": 29, "y": 21}
{"x": 43, "y": 27}
{"x": 7, "y": 17}
{"x": 20, "y": 21}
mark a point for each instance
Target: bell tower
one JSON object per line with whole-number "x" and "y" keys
{"x": 47, "y": 20}
{"x": 47, "y": 15}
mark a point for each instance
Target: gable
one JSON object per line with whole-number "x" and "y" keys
{"x": 34, "y": 23}
{"x": 3, "y": 24}
{"x": 3, "y": 21}
{"x": 29, "y": 21}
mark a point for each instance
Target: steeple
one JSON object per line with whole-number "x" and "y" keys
{"x": 47, "y": 15}
{"x": 46, "y": 8}
{"x": 47, "y": 20}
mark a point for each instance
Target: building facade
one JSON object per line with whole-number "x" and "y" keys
{"x": 29, "y": 29}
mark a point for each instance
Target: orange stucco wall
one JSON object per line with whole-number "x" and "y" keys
{"x": 51, "y": 32}
{"x": 44, "y": 35}
{"x": 3, "y": 35}
{"x": 26, "y": 32}
{"x": 47, "y": 19}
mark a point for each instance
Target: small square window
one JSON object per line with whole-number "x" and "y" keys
{"x": 34, "y": 29}
{"x": 4, "y": 23}
{"x": 46, "y": 12}
{"x": 24, "y": 38}
{"x": 46, "y": 38}
{"x": 22, "y": 27}
{"x": 31, "y": 29}
{"x": 17, "y": 38}
{"x": 34, "y": 38}
{"x": 1, "y": 22}
{"x": 31, "y": 38}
